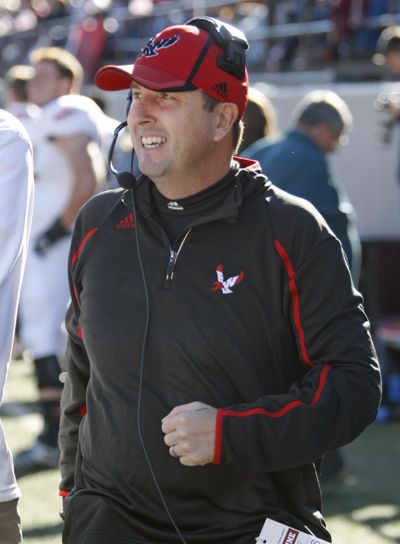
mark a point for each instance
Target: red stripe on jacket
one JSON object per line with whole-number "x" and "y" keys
{"x": 74, "y": 258}
{"x": 221, "y": 413}
{"x": 295, "y": 301}
{"x": 76, "y": 295}
{"x": 82, "y": 244}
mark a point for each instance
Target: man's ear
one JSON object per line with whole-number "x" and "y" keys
{"x": 227, "y": 113}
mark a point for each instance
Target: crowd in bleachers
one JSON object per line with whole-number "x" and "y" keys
{"x": 285, "y": 35}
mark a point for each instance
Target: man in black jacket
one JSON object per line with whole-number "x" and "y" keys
{"x": 217, "y": 347}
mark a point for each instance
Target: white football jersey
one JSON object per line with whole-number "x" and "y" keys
{"x": 26, "y": 112}
{"x": 16, "y": 201}
{"x": 62, "y": 117}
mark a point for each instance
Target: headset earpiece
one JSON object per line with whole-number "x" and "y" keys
{"x": 230, "y": 39}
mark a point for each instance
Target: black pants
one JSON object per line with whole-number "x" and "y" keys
{"x": 94, "y": 518}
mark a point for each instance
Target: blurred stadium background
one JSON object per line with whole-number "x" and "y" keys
{"x": 295, "y": 46}
{"x": 286, "y": 36}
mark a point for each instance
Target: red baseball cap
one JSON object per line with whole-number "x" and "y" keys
{"x": 180, "y": 58}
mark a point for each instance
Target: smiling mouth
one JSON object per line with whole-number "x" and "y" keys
{"x": 149, "y": 142}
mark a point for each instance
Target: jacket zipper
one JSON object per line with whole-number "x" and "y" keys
{"x": 173, "y": 257}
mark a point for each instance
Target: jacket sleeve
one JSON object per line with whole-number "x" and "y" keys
{"x": 73, "y": 401}
{"x": 339, "y": 392}
{"x": 16, "y": 205}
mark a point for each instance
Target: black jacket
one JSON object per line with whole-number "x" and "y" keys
{"x": 253, "y": 312}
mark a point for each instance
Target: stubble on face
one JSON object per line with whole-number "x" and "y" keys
{"x": 173, "y": 137}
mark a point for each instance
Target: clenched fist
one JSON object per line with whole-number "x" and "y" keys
{"x": 190, "y": 433}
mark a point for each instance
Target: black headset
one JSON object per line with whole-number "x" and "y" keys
{"x": 126, "y": 180}
{"x": 234, "y": 45}
{"x": 231, "y": 40}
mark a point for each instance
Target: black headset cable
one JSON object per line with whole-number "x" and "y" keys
{"x": 141, "y": 372}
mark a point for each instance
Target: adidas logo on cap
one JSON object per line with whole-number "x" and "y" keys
{"x": 221, "y": 89}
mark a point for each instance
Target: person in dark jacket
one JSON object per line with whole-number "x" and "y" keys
{"x": 298, "y": 163}
{"x": 217, "y": 346}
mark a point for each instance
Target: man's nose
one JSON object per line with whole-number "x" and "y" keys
{"x": 141, "y": 111}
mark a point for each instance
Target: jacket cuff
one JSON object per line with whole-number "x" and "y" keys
{"x": 218, "y": 437}
{"x": 63, "y": 493}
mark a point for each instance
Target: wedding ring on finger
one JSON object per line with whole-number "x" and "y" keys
{"x": 172, "y": 452}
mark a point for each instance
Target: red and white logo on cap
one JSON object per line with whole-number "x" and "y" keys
{"x": 154, "y": 45}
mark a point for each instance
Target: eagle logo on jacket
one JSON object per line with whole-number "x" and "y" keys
{"x": 226, "y": 285}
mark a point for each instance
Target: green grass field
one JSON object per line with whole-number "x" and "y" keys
{"x": 365, "y": 511}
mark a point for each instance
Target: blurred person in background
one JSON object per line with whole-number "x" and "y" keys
{"x": 17, "y": 102}
{"x": 297, "y": 162}
{"x": 68, "y": 168}
{"x": 87, "y": 41}
{"x": 347, "y": 17}
{"x": 388, "y": 103}
{"x": 388, "y": 55}
{"x": 282, "y": 51}
{"x": 388, "y": 50}
{"x": 259, "y": 120}
{"x": 16, "y": 203}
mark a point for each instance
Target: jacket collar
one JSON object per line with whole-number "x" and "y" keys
{"x": 228, "y": 210}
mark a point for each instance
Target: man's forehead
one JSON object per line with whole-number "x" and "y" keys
{"x": 45, "y": 64}
{"x": 137, "y": 87}
{"x": 140, "y": 88}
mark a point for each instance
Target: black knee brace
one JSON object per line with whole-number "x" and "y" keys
{"x": 48, "y": 372}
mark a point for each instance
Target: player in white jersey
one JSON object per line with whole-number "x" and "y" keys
{"x": 17, "y": 103}
{"x": 68, "y": 167}
{"x": 16, "y": 203}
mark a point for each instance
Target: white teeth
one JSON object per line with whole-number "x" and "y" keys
{"x": 152, "y": 141}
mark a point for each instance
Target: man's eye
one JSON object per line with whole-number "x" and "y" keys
{"x": 166, "y": 96}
